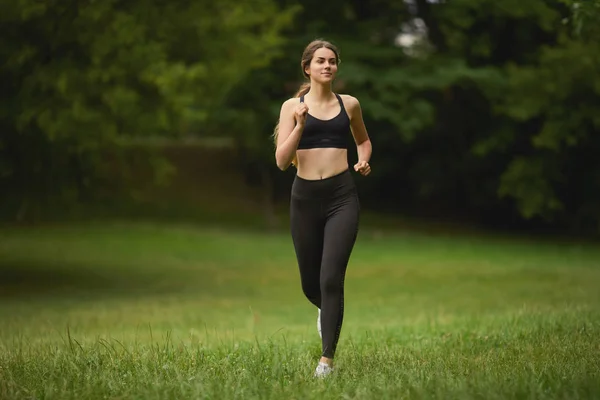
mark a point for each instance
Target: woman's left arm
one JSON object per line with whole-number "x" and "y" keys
{"x": 361, "y": 137}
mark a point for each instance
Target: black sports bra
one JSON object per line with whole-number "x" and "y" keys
{"x": 320, "y": 133}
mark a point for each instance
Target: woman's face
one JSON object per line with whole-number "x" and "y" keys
{"x": 323, "y": 66}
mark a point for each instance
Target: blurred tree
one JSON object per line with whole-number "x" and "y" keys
{"x": 363, "y": 29}
{"x": 495, "y": 108}
{"x": 585, "y": 18}
{"x": 481, "y": 108}
{"x": 553, "y": 172}
{"x": 81, "y": 78}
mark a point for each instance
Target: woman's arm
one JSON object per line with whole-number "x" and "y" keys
{"x": 291, "y": 124}
{"x": 361, "y": 137}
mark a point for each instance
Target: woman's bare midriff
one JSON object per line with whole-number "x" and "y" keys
{"x": 315, "y": 164}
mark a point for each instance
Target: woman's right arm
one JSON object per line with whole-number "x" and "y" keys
{"x": 291, "y": 124}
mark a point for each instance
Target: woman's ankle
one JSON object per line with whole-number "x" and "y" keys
{"x": 328, "y": 361}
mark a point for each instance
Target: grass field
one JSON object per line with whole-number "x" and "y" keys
{"x": 118, "y": 311}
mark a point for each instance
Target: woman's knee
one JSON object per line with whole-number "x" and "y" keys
{"x": 332, "y": 284}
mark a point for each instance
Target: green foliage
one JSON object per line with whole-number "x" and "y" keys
{"x": 489, "y": 112}
{"x": 585, "y": 16}
{"x": 83, "y": 77}
{"x": 505, "y": 83}
{"x": 561, "y": 95}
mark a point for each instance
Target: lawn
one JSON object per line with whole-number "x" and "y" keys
{"x": 141, "y": 311}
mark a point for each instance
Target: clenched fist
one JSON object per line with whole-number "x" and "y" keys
{"x": 300, "y": 114}
{"x": 363, "y": 168}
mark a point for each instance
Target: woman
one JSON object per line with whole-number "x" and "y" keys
{"x": 312, "y": 134}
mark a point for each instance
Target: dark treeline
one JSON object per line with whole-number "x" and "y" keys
{"x": 478, "y": 109}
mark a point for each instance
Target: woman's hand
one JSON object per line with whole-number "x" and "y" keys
{"x": 363, "y": 168}
{"x": 300, "y": 114}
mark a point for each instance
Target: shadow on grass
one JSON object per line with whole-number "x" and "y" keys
{"x": 20, "y": 279}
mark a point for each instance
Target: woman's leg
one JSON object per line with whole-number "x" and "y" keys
{"x": 341, "y": 229}
{"x": 307, "y": 228}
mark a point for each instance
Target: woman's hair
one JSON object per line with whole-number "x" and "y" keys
{"x": 307, "y": 57}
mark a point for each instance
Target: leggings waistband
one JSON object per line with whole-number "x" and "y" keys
{"x": 332, "y": 186}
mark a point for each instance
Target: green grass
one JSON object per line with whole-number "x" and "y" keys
{"x": 116, "y": 311}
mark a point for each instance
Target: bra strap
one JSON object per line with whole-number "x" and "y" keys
{"x": 302, "y": 99}
{"x": 341, "y": 101}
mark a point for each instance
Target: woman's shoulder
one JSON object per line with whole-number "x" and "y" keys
{"x": 350, "y": 102}
{"x": 290, "y": 103}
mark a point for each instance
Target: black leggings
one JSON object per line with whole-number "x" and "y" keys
{"x": 324, "y": 216}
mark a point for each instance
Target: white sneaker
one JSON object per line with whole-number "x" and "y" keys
{"x": 319, "y": 323}
{"x": 323, "y": 369}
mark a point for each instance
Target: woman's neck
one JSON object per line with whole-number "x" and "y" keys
{"x": 320, "y": 93}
